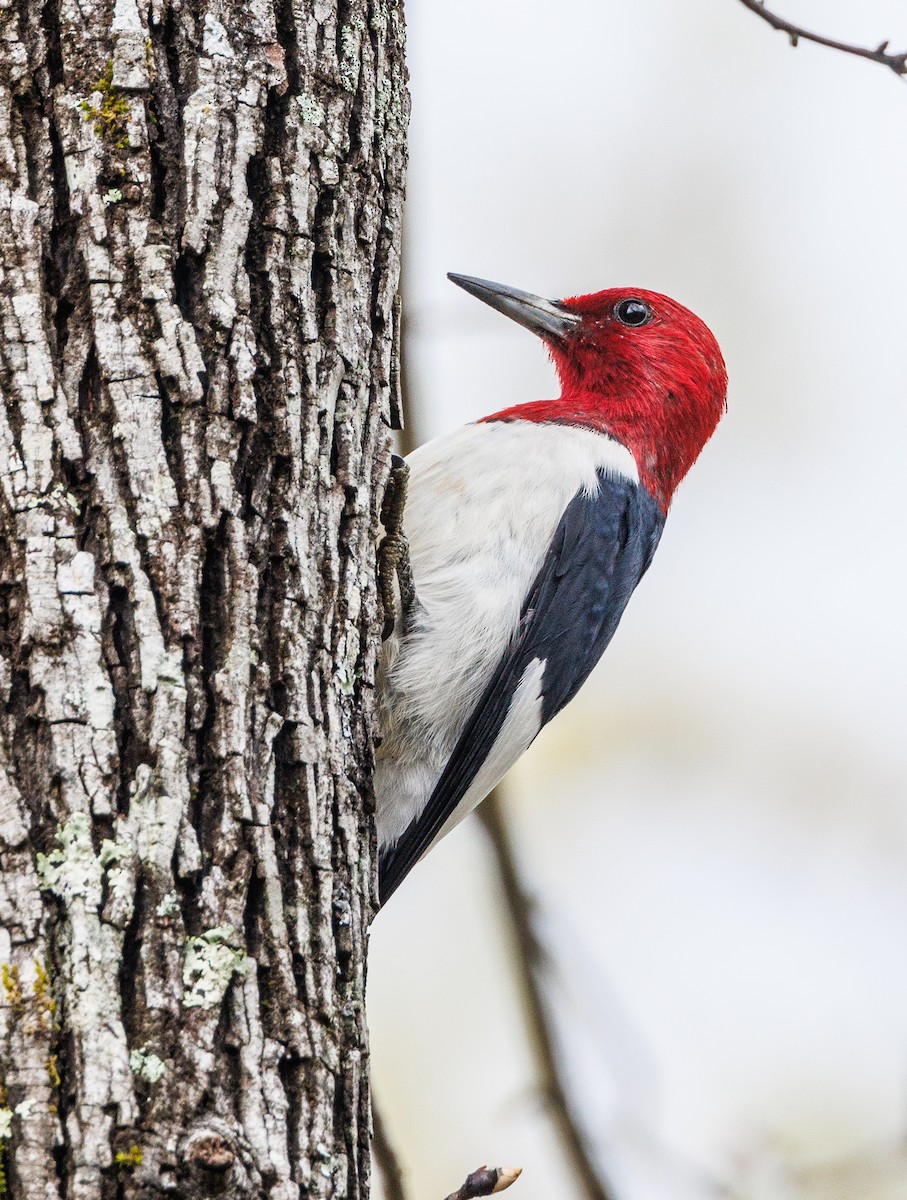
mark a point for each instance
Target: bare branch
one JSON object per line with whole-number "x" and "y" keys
{"x": 485, "y": 1182}
{"x": 530, "y": 960}
{"x": 385, "y": 1155}
{"x": 894, "y": 62}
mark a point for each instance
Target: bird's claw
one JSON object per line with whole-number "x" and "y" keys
{"x": 393, "y": 551}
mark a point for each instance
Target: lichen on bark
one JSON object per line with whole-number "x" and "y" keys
{"x": 200, "y": 217}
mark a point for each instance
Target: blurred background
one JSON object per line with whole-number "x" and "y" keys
{"x": 715, "y": 832}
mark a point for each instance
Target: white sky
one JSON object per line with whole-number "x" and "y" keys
{"x": 718, "y": 826}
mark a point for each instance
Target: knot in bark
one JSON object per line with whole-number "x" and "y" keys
{"x": 210, "y": 1152}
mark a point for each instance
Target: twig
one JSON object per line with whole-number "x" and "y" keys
{"x": 530, "y": 961}
{"x": 485, "y": 1182}
{"x": 386, "y": 1156}
{"x": 894, "y": 62}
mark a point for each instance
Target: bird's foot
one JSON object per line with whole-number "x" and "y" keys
{"x": 393, "y": 551}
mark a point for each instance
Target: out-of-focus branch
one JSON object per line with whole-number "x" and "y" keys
{"x": 530, "y": 964}
{"x": 385, "y": 1155}
{"x": 894, "y": 62}
{"x": 485, "y": 1182}
{"x": 402, "y": 373}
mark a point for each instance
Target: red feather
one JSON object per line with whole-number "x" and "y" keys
{"x": 658, "y": 388}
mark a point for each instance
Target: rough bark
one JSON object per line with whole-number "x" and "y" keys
{"x": 200, "y": 205}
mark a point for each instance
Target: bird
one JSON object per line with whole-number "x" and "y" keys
{"x": 527, "y": 532}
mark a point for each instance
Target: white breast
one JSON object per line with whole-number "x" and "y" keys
{"x": 484, "y": 503}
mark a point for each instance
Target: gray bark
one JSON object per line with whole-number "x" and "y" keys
{"x": 200, "y": 207}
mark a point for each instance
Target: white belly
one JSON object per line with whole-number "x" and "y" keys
{"x": 484, "y": 503}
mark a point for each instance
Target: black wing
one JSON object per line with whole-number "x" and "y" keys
{"x": 600, "y": 551}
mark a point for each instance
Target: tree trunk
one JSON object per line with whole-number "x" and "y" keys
{"x": 200, "y": 208}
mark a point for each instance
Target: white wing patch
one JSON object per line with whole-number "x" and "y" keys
{"x": 520, "y": 728}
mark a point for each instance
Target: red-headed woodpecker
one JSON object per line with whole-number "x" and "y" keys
{"x": 528, "y": 531}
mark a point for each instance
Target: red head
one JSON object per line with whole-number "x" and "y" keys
{"x": 633, "y": 364}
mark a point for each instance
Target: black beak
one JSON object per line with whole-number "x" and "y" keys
{"x": 547, "y": 318}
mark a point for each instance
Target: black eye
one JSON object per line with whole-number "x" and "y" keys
{"x": 632, "y": 312}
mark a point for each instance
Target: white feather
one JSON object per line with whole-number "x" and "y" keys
{"x": 521, "y": 725}
{"x": 484, "y": 504}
